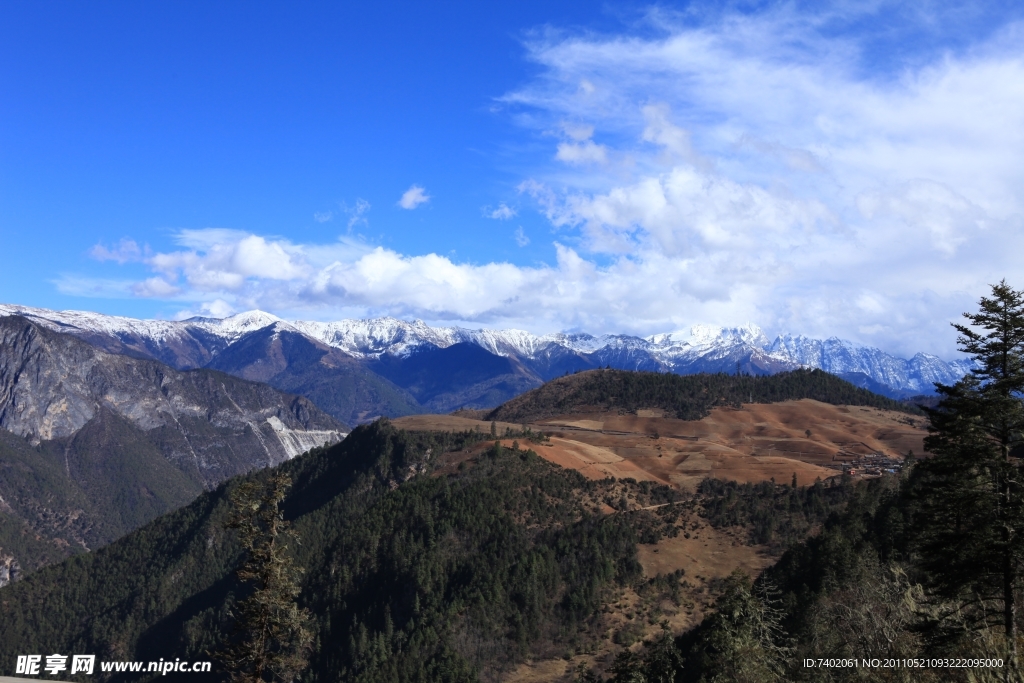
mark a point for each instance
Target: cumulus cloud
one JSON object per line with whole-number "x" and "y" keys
{"x": 323, "y": 216}
{"x": 155, "y": 287}
{"x": 833, "y": 196}
{"x": 753, "y": 167}
{"x": 578, "y": 153}
{"x": 578, "y": 149}
{"x": 226, "y": 264}
{"x": 413, "y": 197}
{"x": 367, "y": 280}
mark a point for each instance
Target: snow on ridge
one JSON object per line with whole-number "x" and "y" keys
{"x": 370, "y": 338}
{"x": 375, "y": 336}
{"x": 712, "y": 335}
{"x": 510, "y": 342}
{"x": 242, "y": 323}
{"x": 701, "y": 336}
{"x": 158, "y": 330}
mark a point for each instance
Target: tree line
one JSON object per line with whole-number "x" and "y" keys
{"x": 687, "y": 397}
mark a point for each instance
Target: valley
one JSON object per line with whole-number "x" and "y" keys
{"x": 636, "y": 497}
{"x": 495, "y": 566}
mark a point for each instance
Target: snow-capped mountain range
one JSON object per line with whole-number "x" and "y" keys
{"x": 196, "y": 341}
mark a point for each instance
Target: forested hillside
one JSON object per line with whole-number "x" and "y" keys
{"x": 921, "y": 572}
{"x": 689, "y": 397}
{"x": 409, "y": 577}
{"x": 853, "y": 591}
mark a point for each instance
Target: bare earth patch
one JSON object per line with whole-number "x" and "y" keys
{"x": 754, "y": 443}
{"x": 450, "y": 423}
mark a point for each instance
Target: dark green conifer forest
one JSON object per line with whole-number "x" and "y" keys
{"x": 687, "y": 397}
{"x": 408, "y": 578}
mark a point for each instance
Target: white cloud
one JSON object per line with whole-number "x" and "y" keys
{"x": 357, "y": 213}
{"x": 674, "y": 140}
{"x": 647, "y": 290}
{"x": 750, "y": 168}
{"x": 578, "y": 153}
{"x": 227, "y": 264}
{"x": 155, "y": 287}
{"x": 125, "y": 251}
{"x": 502, "y": 213}
{"x": 218, "y": 308}
{"x": 787, "y": 177}
{"x": 413, "y": 197}
{"x": 521, "y": 238}
{"x": 102, "y": 288}
{"x": 578, "y": 149}
{"x": 367, "y": 280}
{"x": 577, "y": 131}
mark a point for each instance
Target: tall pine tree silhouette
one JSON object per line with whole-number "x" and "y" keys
{"x": 971, "y": 519}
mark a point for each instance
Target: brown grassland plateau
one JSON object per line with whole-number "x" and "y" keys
{"x": 753, "y": 443}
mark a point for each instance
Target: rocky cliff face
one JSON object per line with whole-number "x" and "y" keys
{"x": 94, "y": 444}
{"x": 10, "y": 570}
{"x": 51, "y": 385}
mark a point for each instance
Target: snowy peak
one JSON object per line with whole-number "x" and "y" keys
{"x": 705, "y": 336}
{"x": 376, "y": 336}
{"x": 240, "y": 324}
{"x": 709, "y": 335}
{"x": 195, "y": 342}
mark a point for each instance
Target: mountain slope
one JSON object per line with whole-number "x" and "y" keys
{"x": 451, "y": 577}
{"x": 457, "y": 376}
{"x": 197, "y": 343}
{"x": 337, "y": 383}
{"x": 94, "y": 444}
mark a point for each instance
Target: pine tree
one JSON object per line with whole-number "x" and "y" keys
{"x": 270, "y": 638}
{"x": 972, "y": 503}
{"x": 742, "y": 641}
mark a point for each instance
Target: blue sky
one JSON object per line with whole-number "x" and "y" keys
{"x": 849, "y": 169}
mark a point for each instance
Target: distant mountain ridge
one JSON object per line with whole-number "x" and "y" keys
{"x": 198, "y": 341}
